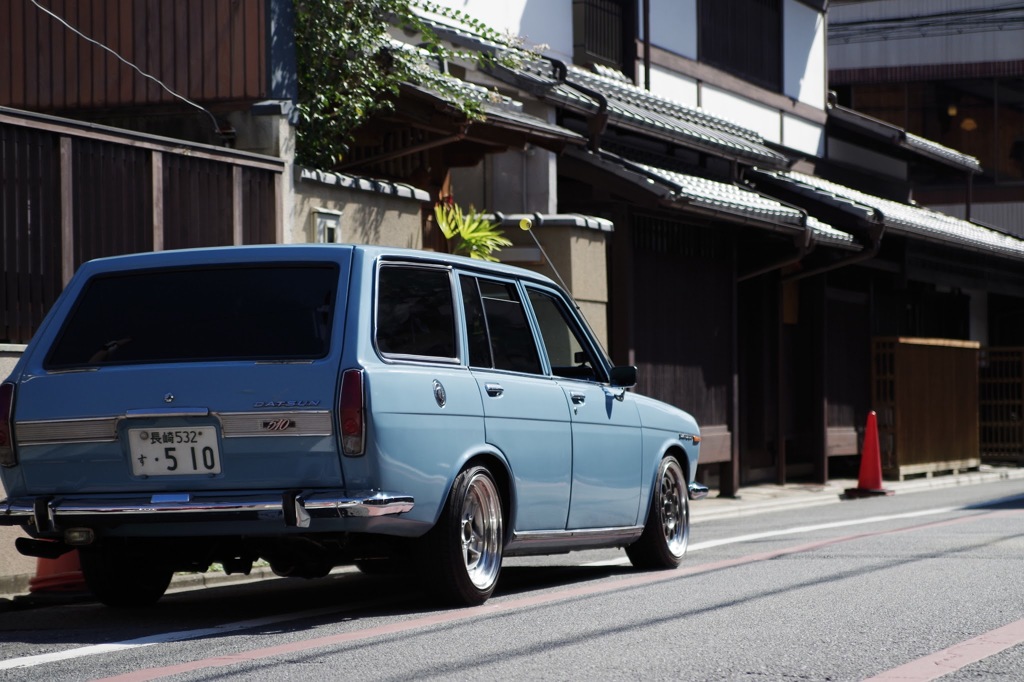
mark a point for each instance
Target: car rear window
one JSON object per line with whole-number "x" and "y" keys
{"x": 264, "y": 312}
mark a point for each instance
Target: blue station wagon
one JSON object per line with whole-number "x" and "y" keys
{"x": 313, "y": 406}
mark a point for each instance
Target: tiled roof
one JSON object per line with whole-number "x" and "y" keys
{"x": 361, "y": 184}
{"x": 951, "y": 156}
{"x": 554, "y": 220}
{"x": 629, "y": 106}
{"x": 726, "y": 201}
{"x": 895, "y": 135}
{"x": 497, "y": 108}
{"x": 637, "y": 109}
{"x": 729, "y": 198}
{"x": 912, "y": 221}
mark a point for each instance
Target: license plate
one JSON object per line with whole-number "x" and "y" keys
{"x": 174, "y": 452}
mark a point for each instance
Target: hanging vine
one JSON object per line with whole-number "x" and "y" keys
{"x": 349, "y": 68}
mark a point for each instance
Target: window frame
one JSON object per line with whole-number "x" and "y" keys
{"x": 580, "y": 328}
{"x": 528, "y": 319}
{"x": 710, "y": 32}
{"x": 457, "y": 315}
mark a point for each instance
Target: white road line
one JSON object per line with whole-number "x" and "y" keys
{"x": 164, "y": 638}
{"x": 797, "y": 530}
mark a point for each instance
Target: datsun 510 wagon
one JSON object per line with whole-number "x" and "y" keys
{"x": 313, "y": 406}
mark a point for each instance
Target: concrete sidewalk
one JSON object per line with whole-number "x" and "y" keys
{"x": 16, "y": 571}
{"x": 760, "y": 499}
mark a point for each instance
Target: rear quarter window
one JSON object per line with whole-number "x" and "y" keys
{"x": 259, "y": 312}
{"x": 415, "y": 313}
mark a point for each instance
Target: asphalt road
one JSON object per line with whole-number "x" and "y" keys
{"x": 929, "y": 580}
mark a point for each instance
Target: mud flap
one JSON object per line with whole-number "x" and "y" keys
{"x": 295, "y": 515}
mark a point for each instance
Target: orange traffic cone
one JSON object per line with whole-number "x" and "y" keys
{"x": 63, "y": 574}
{"x": 869, "y": 483}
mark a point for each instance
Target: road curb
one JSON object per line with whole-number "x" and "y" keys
{"x": 785, "y": 498}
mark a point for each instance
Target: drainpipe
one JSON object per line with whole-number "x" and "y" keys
{"x": 875, "y": 235}
{"x": 647, "y": 44}
{"x": 599, "y": 121}
{"x": 970, "y": 195}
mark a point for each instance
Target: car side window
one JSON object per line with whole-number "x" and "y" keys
{"x": 568, "y": 355}
{"x": 415, "y": 312}
{"x": 497, "y": 328}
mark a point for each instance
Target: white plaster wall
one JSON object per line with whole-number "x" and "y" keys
{"x": 9, "y": 355}
{"x": 803, "y": 135}
{"x": 366, "y": 217}
{"x": 539, "y": 22}
{"x": 765, "y": 120}
{"x": 15, "y": 569}
{"x": 804, "y": 76}
{"x": 674, "y": 86}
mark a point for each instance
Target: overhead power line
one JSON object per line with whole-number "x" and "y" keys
{"x": 186, "y": 100}
{"x": 999, "y": 18}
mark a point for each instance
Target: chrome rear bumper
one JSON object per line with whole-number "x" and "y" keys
{"x": 296, "y": 507}
{"x": 697, "y": 491}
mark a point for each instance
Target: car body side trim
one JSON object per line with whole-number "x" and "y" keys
{"x": 542, "y": 542}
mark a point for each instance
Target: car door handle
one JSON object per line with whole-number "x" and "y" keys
{"x": 494, "y": 390}
{"x": 578, "y": 398}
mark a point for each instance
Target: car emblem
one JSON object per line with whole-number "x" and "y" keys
{"x": 278, "y": 425}
{"x": 168, "y": 397}
{"x": 439, "y": 394}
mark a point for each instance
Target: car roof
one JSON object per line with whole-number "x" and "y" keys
{"x": 276, "y": 253}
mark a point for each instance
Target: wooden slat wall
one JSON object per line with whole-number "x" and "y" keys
{"x": 30, "y": 230}
{"x": 112, "y": 199}
{"x": 69, "y": 194}
{"x": 926, "y": 396}
{"x": 208, "y": 50}
{"x": 197, "y": 203}
{"x": 1001, "y": 404}
{"x": 683, "y": 338}
{"x": 259, "y": 199}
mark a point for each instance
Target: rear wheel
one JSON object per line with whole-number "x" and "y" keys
{"x": 667, "y": 532}
{"x": 123, "y": 579}
{"x": 466, "y": 545}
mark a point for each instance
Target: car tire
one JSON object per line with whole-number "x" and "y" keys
{"x": 667, "y": 531}
{"x": 122, "y": 579}
{"x": 465, "y": 547}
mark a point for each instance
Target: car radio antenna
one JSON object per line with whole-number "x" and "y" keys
{"x": 526, "y": 226}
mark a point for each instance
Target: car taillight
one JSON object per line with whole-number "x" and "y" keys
{"x": 7, "y": 456}
{"x": 351, "y": 412}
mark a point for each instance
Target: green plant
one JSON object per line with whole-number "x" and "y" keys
{"x": 349, "y": 68}
{"x": 476, "y": 236}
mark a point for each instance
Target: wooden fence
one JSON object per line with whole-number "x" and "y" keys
{"x": 926, "y": 394}
{"x": 71, "y": 192}
{"x": 1001, "y": 404}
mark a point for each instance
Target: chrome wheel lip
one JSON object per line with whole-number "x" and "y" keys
{"x": 481, "y": 531}
{"x": 673, "y": 507}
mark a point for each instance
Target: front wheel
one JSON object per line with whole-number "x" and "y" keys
{"x": 466, "y": 544}
{"x": 667, "y": 532}
{"x": 123, "y": 579}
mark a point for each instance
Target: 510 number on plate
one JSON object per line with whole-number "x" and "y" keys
{"x": 174, "y": 452}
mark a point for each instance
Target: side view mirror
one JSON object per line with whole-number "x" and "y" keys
{"x": 623, "y": 376}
